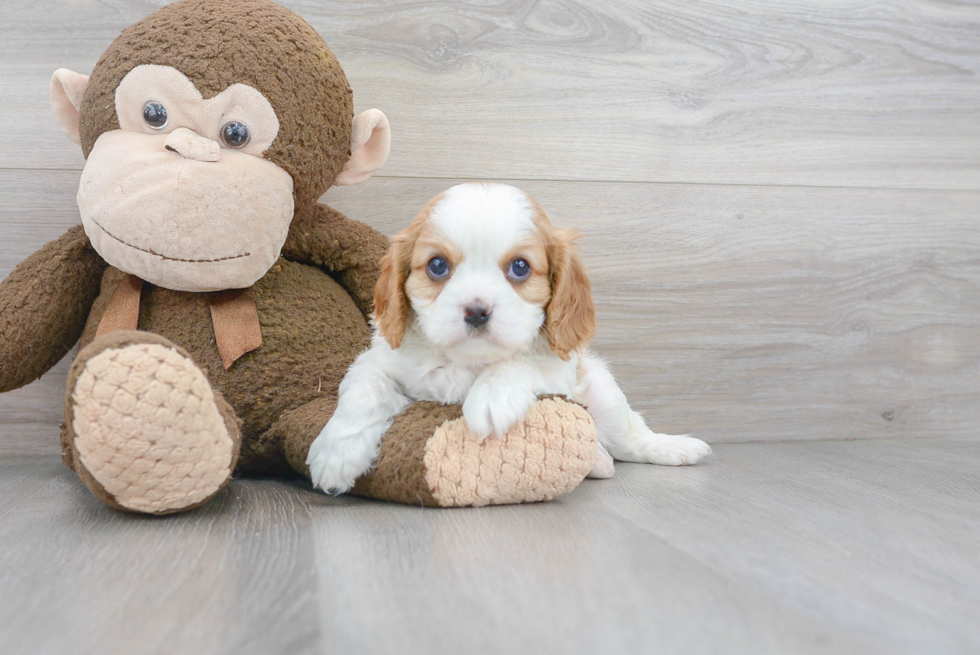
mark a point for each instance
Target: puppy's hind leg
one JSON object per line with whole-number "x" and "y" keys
{"x": 603, "y": 468}
{"x": 622, "y": 431}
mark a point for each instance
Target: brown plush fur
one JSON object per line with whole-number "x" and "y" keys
{"x": 43, "y": 305}
{"x": 324, "y": 237}
{"x": 399, "y": 473}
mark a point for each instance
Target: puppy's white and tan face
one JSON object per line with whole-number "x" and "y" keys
{"x": 482, "y": 271}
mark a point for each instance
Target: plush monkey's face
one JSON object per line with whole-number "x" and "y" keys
{"x": 205, "y": 136}
{"x": 180, "y": 195}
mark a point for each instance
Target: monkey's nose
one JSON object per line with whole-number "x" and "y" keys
{"x": 476, "y": 314}
{"x": 191, "y": 145}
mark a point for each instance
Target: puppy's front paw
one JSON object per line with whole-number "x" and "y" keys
{"x": 674, "y": 450}
{"x": 336, "y": 462}
{"x": 492, "y": 408}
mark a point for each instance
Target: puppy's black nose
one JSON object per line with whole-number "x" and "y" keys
{"x": 476, "y": 314}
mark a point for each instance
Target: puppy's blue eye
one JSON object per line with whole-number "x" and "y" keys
{"x": 519, "y": 270}
{"x": 437, "y": 268}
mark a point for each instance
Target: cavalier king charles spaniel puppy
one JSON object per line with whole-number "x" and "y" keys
{"x": 482, "y": 302}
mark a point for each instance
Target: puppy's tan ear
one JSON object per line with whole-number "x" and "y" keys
{"x": 570, "y": 315}
{"x": 392, "y": 308}
{"x": 391, "y": 304}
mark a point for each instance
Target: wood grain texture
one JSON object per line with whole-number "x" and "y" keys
{"x": 744, "y": 313}
{"x": 836, "y": 93}
{"x": 735, "y": 313}
{"x": 820, "y": 547}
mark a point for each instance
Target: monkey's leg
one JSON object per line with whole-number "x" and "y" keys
{"x": 143, "y": 428}
{"x": 428, "y": 456}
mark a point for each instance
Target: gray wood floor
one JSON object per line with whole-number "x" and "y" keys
{"x": 804, "y": 547}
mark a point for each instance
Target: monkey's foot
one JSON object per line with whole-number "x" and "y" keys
{"x": 429, "y": 456}
{"x": 146, "y": 431}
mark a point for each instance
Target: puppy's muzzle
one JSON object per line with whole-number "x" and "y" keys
{"x": 476, "y": 314}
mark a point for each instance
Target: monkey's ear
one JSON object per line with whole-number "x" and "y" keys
{"x": 370, "y": 141}
{"x": 67, "y": 89}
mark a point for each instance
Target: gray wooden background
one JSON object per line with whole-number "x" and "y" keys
{"x": 780, "y": 200}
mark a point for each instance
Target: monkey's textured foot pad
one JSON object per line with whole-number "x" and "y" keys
{"x": 148, "y": 432}
{"x": 429, "y": 457}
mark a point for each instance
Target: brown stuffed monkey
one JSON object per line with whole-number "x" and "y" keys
{"x": 217, "y": 302}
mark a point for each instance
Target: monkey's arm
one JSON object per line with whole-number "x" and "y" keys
{"x": 352, "y": 250}
{"x": 44, "y": 304}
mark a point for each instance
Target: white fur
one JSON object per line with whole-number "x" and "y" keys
{"x": 496, "y": 373}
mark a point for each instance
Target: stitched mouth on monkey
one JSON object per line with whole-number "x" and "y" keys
{"x": 180, "y": 223}
{"x": 162, "y": 256}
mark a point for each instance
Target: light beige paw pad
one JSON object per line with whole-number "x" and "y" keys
{"x": 546, "y": 455}
{"x": 148, "y": 429}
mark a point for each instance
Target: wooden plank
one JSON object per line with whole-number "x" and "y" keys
{"x": 223, "y": 579}
{"x": 736, "y": 313}
{"x": 837, "y": 93}
{"x": 823, "y": 547}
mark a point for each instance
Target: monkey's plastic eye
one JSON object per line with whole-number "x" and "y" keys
{"x": 519, "y": 270}
{"x": 235, "y": 135}
{"x": 437, "y": 268}
{"x": 155, "y": 115}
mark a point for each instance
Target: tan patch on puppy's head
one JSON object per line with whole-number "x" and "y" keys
{"x": 430, "y": 244}
{"x": 392, "y": 307}
{"x": 536, "y": 287}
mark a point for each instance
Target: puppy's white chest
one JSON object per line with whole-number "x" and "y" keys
{"x": 448, "y": 383}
